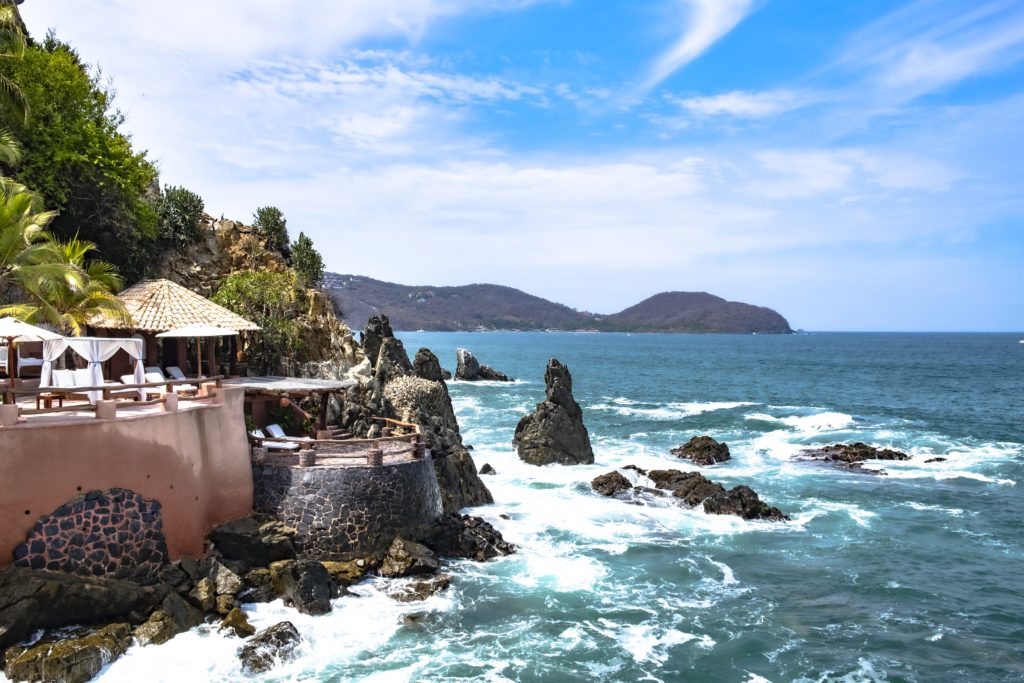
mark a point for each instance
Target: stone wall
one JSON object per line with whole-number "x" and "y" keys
{"x": 195, "y": 461}
{"x": 114, "y": 533}
{"x": 344, "y": 512}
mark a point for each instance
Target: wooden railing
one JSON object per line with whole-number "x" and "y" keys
{"x": 372, "y": 450}
{"x": 108, "y": 392}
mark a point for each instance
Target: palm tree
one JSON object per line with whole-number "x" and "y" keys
{"x": 27, "y": 258}
{"x": 71, "y": 303}
{"x": 12, "y": 46}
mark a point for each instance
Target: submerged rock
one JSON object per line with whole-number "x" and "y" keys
{"x": 929, "y": 460}
{"x": 269, "y": 647}
{"x": 487, "y": 469}
{"x": 73, "y": 660}
{"x": 694, "y": 489}
{"x": 851, "y": 454}
{"x": 703, "y": 451}
{"x": 611, "y": 483}
{"x": 469, "y": 369}
{"x": 408, "y": 558}
{"x": 415, "y": 591}
{"x": 465, "y": 536}
{"x": 554, "y": 432}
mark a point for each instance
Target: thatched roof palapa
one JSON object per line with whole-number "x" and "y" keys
{"x": 162, "y": 305}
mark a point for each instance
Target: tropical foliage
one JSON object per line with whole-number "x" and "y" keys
{"x": 307, "y": 262}
{"x": 271, "y": 224}
{"x": 12, "y": 99}
{"x": 26, "y": 255}
{"x": 76, "y": 157}
{"x": 274, "y": 301}
{"x": 180, "y": 213}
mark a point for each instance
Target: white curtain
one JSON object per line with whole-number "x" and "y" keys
{"x": 95, "y": 350}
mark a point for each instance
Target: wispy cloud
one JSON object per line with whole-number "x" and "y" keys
{"x": 931, "y": 44}
{"x": 707, "y": 22}
{"x": 742, "y": 104}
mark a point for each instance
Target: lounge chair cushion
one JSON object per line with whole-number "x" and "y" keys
{"x": 275, "y": 431}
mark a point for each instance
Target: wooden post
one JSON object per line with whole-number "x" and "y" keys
{"x": 233, "y": 359}
{"x": 321, "y": 421}
{"x": 211, "y": 357}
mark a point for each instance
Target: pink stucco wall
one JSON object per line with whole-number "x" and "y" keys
{"x": 194, "y": 461}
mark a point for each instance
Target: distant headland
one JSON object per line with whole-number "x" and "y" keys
{"x": 495, "y": 307}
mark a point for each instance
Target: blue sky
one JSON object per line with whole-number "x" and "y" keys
{"x": 855, "y": 165}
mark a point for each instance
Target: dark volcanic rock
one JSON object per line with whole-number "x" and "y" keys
{"x": 851, "y": 454}
{"x": 269, "y": 647}
{"x": 703, "y": 451}
{"x": 554, "y": 432}
{"x": 74, "y": 660}
{"x": 305, "y": 585}
{"x": 695, "y": 489}
{"x": 636, "y": 469}
{"x": 397, "y": 390}
{"x": 691, "y": 487}
{"x": 469, "y": 369}
{"x": 237, "y": 623}
{"x": 426, "y": 366}
{"x": 487, "y": 469}
{"x": 377, "y": 329}
{"x": 254, "y": 541}
{"x": 175, "y": 615}
{"x": 408, "y": 558}
{"x": 36, "y": 599}
{"x": 465, "y": 536}
{"x": 744, "y": 502}
{"x": 422, "y": 589}
{"x": 611, "y": 483}
{"x": 935, "y": 460}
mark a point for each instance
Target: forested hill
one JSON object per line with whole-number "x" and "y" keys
{"x": 493, "y": 307}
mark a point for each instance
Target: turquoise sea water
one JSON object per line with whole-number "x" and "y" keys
{"x": 913, "y": 576}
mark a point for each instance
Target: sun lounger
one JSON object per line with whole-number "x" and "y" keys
{"x": 156, "y": 376}
{"x": 275, "y": 431}
{"x": 260, "y": 439}
{"x": 174, "y": 372}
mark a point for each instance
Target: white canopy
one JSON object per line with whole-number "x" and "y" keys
{"x": 199, "y": 331}
{"x": 14, "y": 330}
{"x": 95, "y": 350}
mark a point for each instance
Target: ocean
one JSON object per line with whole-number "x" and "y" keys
{"x": 917, "y": 575}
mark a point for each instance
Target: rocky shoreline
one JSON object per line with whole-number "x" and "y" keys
{"x": 249, "y": 561}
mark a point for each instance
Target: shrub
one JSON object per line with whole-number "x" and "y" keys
{"x": 307, "y": 262}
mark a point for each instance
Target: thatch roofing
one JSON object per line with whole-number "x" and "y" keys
{"x": 162, "y": 305}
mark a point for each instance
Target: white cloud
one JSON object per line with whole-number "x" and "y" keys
{"x": 931, "y": 44}
{"x": 708, "y": 21}
{"x": 747, "y": 104}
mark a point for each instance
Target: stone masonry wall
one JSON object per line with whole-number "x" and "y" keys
{"x": 117, "y": 533}
{"x": 346, "y": 512}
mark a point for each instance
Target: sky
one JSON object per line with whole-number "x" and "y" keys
{"x": 854, "y": 165}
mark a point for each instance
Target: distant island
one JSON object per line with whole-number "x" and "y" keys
{"x": 494, "y": 307}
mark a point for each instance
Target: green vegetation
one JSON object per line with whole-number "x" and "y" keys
{"x": 180, "y": 213}
{"x": 274, "y": 301}
{"x": 12, "y": 99}
{"x": 76, "y": 157}
{"x": 307, "y": 262}
{"x": 271, "y": 224}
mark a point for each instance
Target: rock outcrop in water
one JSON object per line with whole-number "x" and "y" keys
{"x": 469, "y": 369}
{"x": 703, "y": 451}
{"x": 554, "y": 432}
{"x": 691, "y": 489}
{"x": 405, "y": 391}
{"x": 851, "y": 456}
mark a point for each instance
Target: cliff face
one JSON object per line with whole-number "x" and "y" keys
{"x": 327, "y": 349}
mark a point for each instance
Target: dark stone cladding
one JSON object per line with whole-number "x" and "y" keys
{"x": 101, "y": 533}
{"x": 345, "y": 512}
